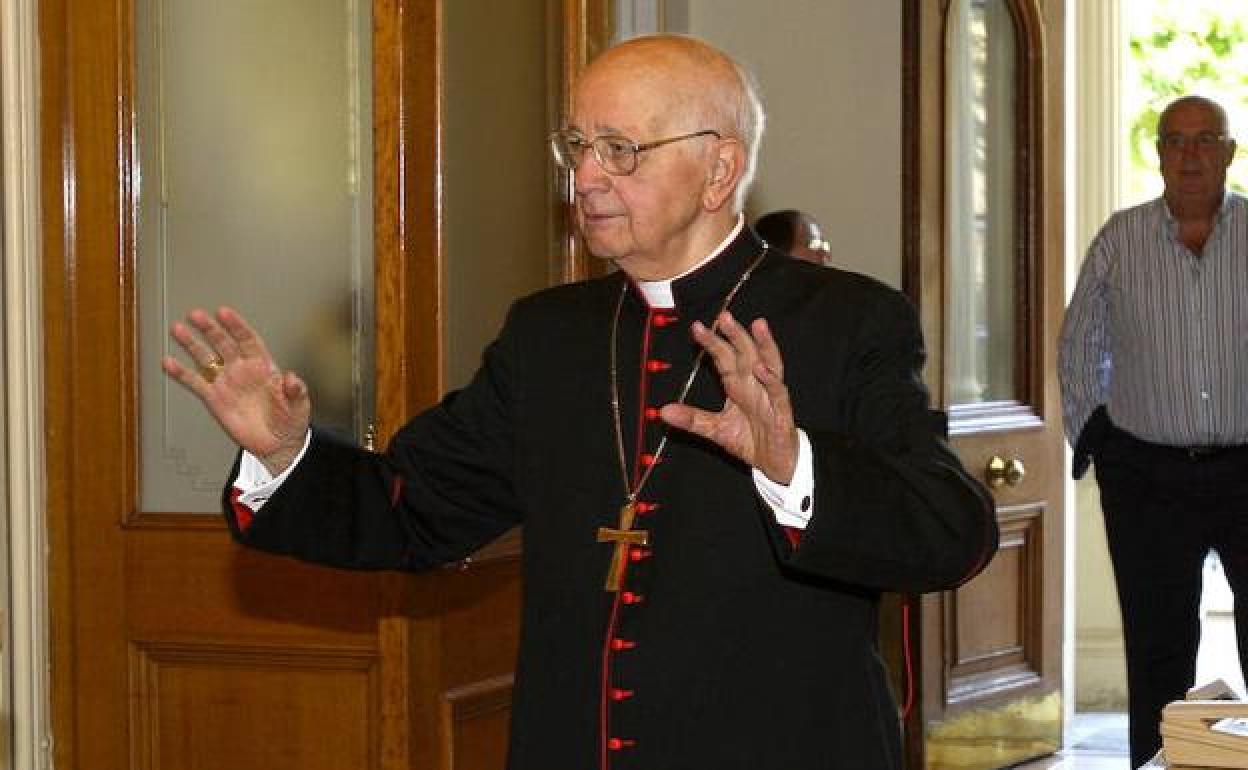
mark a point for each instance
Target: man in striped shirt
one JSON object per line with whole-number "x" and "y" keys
{"x": 1154, "y": 373}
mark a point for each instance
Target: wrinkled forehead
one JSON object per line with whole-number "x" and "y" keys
{"x": 632, "y": 101}
{"x": 642, "y": 90}
{"x": 609, "y": 103}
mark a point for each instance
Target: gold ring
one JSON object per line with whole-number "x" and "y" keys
{"x": 210, "y": 370}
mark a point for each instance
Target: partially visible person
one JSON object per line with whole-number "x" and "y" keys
{"x": 795, "y": 233}
{"x": 1154, "y": 373}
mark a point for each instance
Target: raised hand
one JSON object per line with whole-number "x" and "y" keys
{"x": 264, "y": 410}
{"x": 756, "y": 423}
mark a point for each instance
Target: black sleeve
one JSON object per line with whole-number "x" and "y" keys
{"x": 442, "y": 488}
{"x": 894, "y": 508}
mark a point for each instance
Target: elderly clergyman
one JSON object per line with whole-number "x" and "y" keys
{"x": 720, "y": 457}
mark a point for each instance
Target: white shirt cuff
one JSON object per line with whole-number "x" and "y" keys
{"x": 793, "y": 503}
{"x": 255, "y": 484}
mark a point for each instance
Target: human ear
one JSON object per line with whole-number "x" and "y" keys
{"x": 724, "y": 174}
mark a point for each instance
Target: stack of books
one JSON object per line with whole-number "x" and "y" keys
{"x": 1208, "y": 730}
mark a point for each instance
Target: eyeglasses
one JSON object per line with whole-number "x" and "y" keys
{"x": 1205, "y": 141}
{"x": 617, "y": 155}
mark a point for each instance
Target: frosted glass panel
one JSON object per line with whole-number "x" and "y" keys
{"x": 254, "y": 190}
{"x": 981, "y": 202}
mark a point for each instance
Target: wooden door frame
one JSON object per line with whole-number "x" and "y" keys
{"x": 408, "y": 157}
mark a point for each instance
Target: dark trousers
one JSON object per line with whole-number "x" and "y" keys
{"x": 1165, "y": 508}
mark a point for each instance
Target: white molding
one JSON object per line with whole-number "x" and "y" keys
{"x": 1069, "y": 566}
{"x": 1093, "y": 180}
{"x": 27, "y": 634}
{"x": 1099, "y": 46}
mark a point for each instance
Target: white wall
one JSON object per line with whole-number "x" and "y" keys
{"x": 830, "y": 75}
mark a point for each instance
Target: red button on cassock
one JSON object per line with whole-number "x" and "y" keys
{"x": 648, "y": 459}
{"x": 618, "y": 694}
{"x": 619, "y": 645}
{"x": 664, "y": 319}
{"x": 652, "y": 413}
{"x": 655, "y": 365}
{"x": 628, "y": 597}
{"x": 643, "y": 508}
{"x": 615, "y": 744}
{"x": 637, "y": 554}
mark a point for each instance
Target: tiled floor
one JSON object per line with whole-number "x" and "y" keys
{"x": 1097, "y": 742}
{"x": 1079, "y": 762}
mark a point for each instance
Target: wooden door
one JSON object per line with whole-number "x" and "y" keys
{"x": 983, "y": 259}
{"x": 172, "y": 647}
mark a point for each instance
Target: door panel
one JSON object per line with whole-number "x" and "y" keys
{"x": 195, "y": 701}
{"x": 983, "y": 260}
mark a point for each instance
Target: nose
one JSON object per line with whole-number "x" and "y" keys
{"x": 589, "y": 176}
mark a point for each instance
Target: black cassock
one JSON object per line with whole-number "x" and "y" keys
{"x": 728, "y": 647}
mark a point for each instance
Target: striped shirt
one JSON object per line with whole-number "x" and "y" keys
{"x": 1159, "y": 334}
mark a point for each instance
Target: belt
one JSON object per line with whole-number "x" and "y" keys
{"x": 1194, "y": 454}
{"x": 1197, "y": 453}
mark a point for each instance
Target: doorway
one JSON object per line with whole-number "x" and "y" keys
{"x": 1126, "y": 67}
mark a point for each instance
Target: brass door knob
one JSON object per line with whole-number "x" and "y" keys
{"x": 1001, "y": 471}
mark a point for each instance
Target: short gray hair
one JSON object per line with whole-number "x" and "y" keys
{"x": 749, "y": 120}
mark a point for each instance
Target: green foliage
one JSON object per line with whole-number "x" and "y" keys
{"x": 1185, "y": 51}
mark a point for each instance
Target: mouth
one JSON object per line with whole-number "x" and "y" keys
{"x": 594, "y": 218}
{"x": 1190, "y": 172}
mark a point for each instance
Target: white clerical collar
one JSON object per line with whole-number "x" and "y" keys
{"x": 659, "y": 293}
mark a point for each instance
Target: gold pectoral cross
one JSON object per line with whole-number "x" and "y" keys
{"x": 623, "y": 538}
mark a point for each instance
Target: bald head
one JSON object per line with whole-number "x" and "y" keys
{"x": 696, "y": 86}
{"x": 795, "y": 233}
{"x": 1193, "y": 102}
